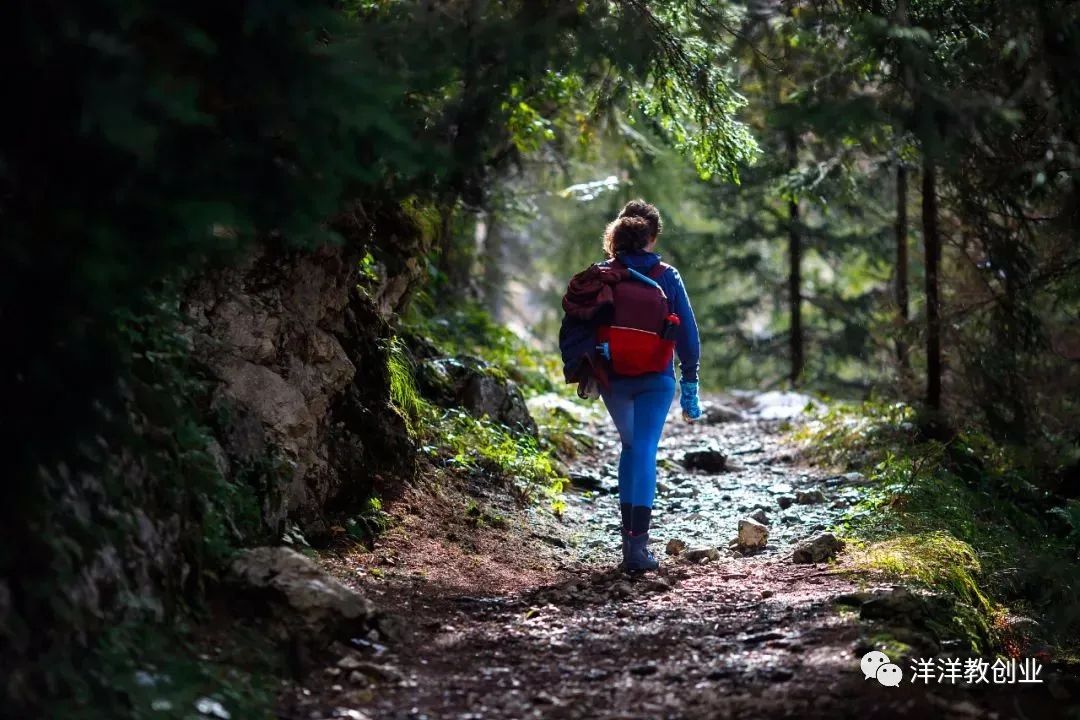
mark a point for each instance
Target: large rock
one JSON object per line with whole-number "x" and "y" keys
{"x": 556, "y": 405}
{"x": 718, "y": 413}
{"x": 470, "y": 383}
{"x": 817, "y": 549}
{"x": 674, "y": 546}
{"x": 809, "y": 497}
{"x": 779, "y": 405}
{"x": 298, "y": 360}
{"x": 297, "y": 594}
{"x": 899, "y": 606}
{"x": 752, "y": 534}
{"x": 701, "y": 555}
{"x": 708, "y": 459}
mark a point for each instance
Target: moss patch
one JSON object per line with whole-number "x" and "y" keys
{"x": 932, "y": 559}
{"x": 964, "y": 519}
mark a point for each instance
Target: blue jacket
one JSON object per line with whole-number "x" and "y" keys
{"x": 577, "y": 338}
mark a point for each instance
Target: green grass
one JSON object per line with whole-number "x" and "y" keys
{"x": 962, "y": 518}
{"x": 404, "y": 396}
{"x": 933, "y": 559}
{"x": 479, "y": 444}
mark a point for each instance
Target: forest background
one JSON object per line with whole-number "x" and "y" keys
{"x": 869, "y": 200}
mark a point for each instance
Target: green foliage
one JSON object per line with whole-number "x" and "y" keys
{"x": 480, "y": 445}
{"x": 934, "y": 559}
{"x": 403, "y": 393}
{"x": 843, "y": 434}
{"x": 689, "y": 97}
{"x": 370, "y": 522}
{"x": 961, "y": 517}
{"x": 475, "y": 445}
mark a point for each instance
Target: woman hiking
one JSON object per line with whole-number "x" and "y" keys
{"x": 626, "y": 318}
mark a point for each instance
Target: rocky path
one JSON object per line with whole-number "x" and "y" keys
{"x": 716, "y": 633}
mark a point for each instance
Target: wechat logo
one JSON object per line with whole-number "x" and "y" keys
{"x": 876, "y": 665}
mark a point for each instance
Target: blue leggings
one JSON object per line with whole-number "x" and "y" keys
{"x": 639, "y": 406}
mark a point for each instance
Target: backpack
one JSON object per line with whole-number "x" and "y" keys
{"x": 640, "y": 336}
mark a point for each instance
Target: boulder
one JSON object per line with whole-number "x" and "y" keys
{"x": 898, "y": 606}
{"x": 586, "y": 481}
{"x": 855, "y": 478}
{"x": 809, "y": 497}
{"x": 710, "y": 460}
{"x": 853, "y": 599}
{"x": 554, "y": 404}
{"x": 295, "y": 358}
{"x": 779, "y": 405}
{"x": 752, "y": 534}
{"x": 699, "y": 555}
{"x": 817, "y": 549}
{"x": 471, "y": 384}
{"x": 297, "y": 595}
{"x": 785, "y": 501}
{"x": 675, "y": 546}
{"x": 717, "y": 413}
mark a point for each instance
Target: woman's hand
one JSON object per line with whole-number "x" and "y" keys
{"x": 691, "y": 407}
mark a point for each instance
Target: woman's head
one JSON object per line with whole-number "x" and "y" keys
{"x": 636, "y": 227}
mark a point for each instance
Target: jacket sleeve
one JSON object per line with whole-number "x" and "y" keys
{"x": 688, "y": 345}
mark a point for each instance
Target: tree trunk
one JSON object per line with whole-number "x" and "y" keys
{"x": 795, "y": 272}
{"x": 901, "y": 265}
{"x": 491, "y": 253}
{"x": 454, "y": 262}
{"x": 932, "y": 249}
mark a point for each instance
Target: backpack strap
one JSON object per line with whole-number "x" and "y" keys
{"x": 658, "y": 269}
{"x": 655, "y": 272}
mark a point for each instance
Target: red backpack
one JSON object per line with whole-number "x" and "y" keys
{"x": 641, "y": 336}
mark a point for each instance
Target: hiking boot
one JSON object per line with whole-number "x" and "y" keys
{"x": 638, "y": 557}
{"x": 625, "y": 546}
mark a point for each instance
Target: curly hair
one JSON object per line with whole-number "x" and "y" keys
{"x": 637, "y": 225}
{"x": 640, "y": 208}
{"x": 626, "y": 235}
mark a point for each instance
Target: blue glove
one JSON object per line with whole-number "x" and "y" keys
{"x": 605, "y": 350}
{"x": 691, "y": 408}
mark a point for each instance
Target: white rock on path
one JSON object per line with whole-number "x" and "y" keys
{"x": 752, "y": 534}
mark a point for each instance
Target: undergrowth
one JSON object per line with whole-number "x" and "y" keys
{"x": 962, "y": 518}
{"x": 174, "y": 673}
{"x": 481, "y": 444}
{"x": 142, "y": 662}
{"x": 469, "y": 330}
{"x": 460, "y": 441}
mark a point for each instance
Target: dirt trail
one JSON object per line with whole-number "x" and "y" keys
{"x": 544, "y": 626}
